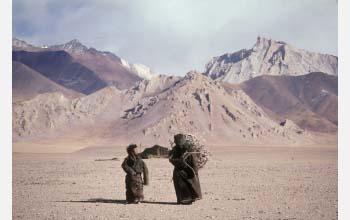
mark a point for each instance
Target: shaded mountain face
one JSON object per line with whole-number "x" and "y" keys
{"x": 153, "y": 114}
{"x": 60, "y": 67}
{"x": 310, "y": 100}
{"x": 27, "y": 83}
{"x": 109, "y": 69}
{"x": 106, "y": 65}
{"x": 268, "y": 57}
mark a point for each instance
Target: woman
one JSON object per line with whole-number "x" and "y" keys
{"x": 185, "y": 175}
{"x": 134, "y": 167}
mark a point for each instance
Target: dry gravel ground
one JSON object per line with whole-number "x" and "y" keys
{"x": 238, "y": 183}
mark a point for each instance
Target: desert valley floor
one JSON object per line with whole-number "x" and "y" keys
{"x": 237, "y": 183}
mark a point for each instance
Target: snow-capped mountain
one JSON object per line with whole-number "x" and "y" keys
{"x": 76, "y": 47}
{"x": 269, "y": 57}
{"x": 73, "y": 46}
{"x": 18, "y": 44}
{"x": 141, "y": 70}
{"x": 73, "y": 59}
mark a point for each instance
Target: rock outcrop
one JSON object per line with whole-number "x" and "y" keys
{"x": 269, "y": 57}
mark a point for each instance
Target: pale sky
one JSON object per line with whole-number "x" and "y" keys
{"x": 175, "y": 36}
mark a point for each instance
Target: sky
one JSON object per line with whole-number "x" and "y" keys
{"x": 176, "y": 36}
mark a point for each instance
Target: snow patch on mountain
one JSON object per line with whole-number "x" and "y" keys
{"x": 141, "y": 70}
{"x": 73, "y": 46}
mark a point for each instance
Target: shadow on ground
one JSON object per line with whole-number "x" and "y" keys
{"x": 117, "y": 201}
{"x": 160, "y": 203}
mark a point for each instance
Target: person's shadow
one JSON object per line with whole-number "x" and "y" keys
{"x": 117, "y": 201}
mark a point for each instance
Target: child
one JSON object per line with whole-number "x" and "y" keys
{"x": 134, "y": 167}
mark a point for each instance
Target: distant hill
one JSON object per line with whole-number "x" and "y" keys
{"x": 27, "y": 83}
{"x": 153, "y": 114}
{"x": 310, "y": 100}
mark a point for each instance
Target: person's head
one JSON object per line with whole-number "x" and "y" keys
{"x": 180, "y": 140}
{"x": 132, "y": 149}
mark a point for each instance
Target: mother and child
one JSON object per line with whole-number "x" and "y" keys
{"x": 185, "y": 174}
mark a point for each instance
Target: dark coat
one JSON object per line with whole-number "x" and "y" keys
{"x": 185, "y": 176}
{"x": 136, "y": 176}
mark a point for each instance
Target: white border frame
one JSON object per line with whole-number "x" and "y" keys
{"x": 343, "y": 110}
{"x": 343, "y": 113}
{"x": 6, "y": 108}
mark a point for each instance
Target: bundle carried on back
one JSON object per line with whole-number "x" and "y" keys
{"x": 194, "y": 146}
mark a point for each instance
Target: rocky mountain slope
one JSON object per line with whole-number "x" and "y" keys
{"x": 152, "y": 114}
{"x": 27, "y": 83}
{"x": 268, "y": 57}
{"x": 53, "y": 112}
{"x": 310, "y": 100}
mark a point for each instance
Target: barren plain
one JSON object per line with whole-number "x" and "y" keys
{"x": 237, "y": 183}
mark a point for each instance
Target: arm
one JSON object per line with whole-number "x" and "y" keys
{"x": 145, "y": 174}
{"x": 127, "y": 168}
{"x": 177, "y": 162}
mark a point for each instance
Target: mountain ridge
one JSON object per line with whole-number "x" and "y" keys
{"x": 192, "y": 104}
{"x": 61, "y": 67}
{"x": 269, "y": 109}
{"x": 84, "y": 54}
{"x": 271, "y": 57}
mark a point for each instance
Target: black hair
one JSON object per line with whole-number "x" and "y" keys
{"x": 130, "y": 148}
{"x": 180, "y": 139}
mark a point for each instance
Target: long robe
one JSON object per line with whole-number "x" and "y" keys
{"x": 135, "y": 168}
{"x": 185, "y": 176}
